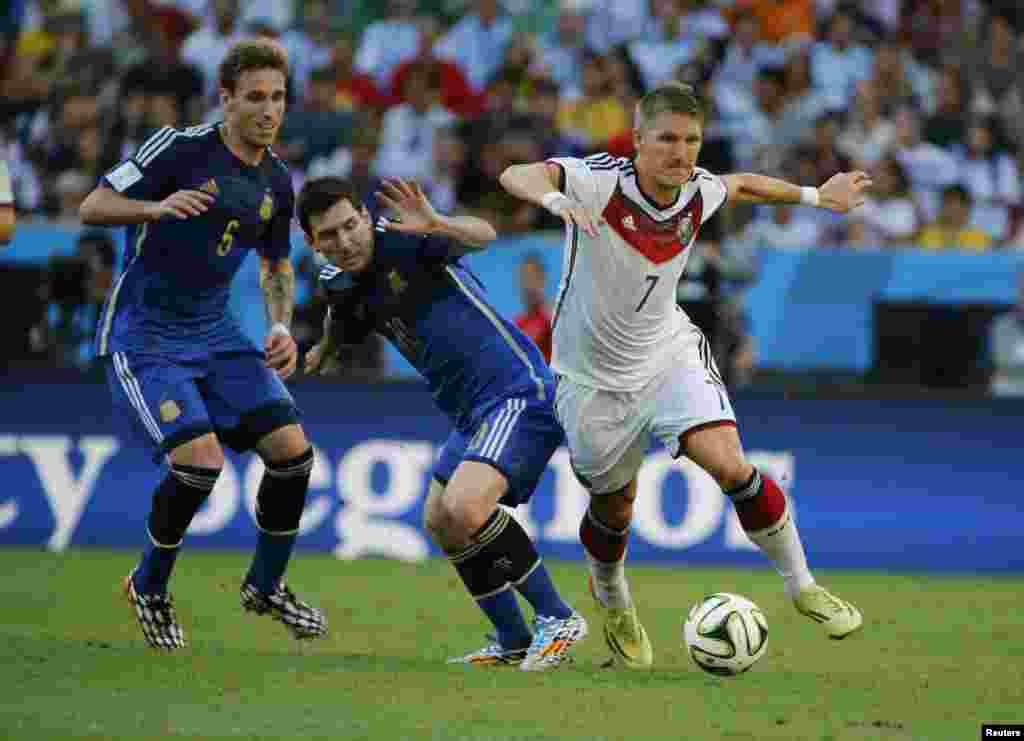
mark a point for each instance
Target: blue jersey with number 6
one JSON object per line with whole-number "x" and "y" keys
{"x": 171, "y": 298}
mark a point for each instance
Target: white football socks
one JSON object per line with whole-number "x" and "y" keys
{"x": 781, "y": 544}
{"x": 609, "y": 579}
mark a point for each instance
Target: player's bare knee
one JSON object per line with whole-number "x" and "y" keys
{"x": 284, "y": 443}
{"x": 466, "y": 514}
{"x": 202, "y": 452}
{"x": 730, "y": 472}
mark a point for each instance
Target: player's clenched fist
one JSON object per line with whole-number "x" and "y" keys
{"x": 181, "y": 205}
{"x": 571, "y": 212}
{"x": 282, "y": 354}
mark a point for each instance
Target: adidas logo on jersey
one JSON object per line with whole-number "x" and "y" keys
{"x": 628, "y": 223}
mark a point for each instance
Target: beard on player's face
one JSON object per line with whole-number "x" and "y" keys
{"x": 344, "y": 236}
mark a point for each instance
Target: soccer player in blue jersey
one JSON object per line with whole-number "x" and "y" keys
{"x": 402, "y": 277}
{"x": 196, "y": 202}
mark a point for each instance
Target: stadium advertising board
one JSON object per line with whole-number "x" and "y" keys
{"x": 918, "y": 485}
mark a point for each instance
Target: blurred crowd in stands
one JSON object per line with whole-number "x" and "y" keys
{"x": 924, "y": 94}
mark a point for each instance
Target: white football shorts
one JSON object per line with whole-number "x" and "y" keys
{"x": 608, "y": 432}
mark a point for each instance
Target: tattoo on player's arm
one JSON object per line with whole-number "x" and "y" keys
{"x": 277, "y": 279}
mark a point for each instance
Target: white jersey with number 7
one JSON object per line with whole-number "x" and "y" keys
{"x": 616, "y": 318}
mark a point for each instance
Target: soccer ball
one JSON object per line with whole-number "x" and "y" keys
{"x": 726, "y": 634}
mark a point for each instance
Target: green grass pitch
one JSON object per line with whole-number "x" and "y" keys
{"x": 937, "y": 657}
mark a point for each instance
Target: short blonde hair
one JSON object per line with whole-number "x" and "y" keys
{"x": 670, "y": 97}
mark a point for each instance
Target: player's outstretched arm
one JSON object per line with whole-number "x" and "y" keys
{"x": 842, "y": 192}
{"x": 416, "y": 215}
{"x": 538, "y": 183}
{"x": 106, "y": 207}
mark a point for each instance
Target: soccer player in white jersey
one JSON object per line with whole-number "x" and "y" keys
{"x": 631, "y": 364}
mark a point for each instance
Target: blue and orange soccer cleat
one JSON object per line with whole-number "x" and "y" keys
{"x": 552, "y": 639}
{"x": 493, "y": 654}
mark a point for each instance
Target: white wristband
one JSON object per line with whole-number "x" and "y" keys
{"x": 279, "y": 328}
{"x": 809, "y": 197}
{"x": 555, "y": 202}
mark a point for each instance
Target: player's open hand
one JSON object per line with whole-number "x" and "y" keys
{"x": 282, "y": 355}
{"x": 844, "y": 191}
{"x": 182, "y": 205}
{"x": 412, "y": 209}
{"x": 573, "y": 212}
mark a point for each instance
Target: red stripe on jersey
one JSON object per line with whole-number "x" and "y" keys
{"x": 658, "y": 241}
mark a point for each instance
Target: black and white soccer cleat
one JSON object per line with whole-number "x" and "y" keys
{"x": 156, "y": 616}
{"x": 303, "y": 621}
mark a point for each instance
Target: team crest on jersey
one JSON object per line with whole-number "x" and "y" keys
{"x": 685, "y": 230}
{"x": 169, "y": 411}
{"x": 398, "y": 283}
{"x": 210, "y": 186}
{"x": 266, "y": 208}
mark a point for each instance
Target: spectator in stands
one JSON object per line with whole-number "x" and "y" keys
{"x": 868, "y": 133}
{"x": 595, "y": 116}
{"x": 988, "y": 164}
{"x": 315, "y": 128}
{"x": 929, "y": 168}
{"x": 804, "y": 103}
{"x": 206, "y": 48}
{"x": 442, "y": 184}
{"x": 993, "y": 68}
{"x": 560, "y": 53}
{"x": 355, "y": 162}
{"x": 666, "y": 46}
{"x": 309, "y": 46}
{"x": 888, "y": 217}
{"x": 778, "y": 22}
{"x": 75, "y": 290}
{"x": 1006, "y": 346}
{"x": 951, "y": 230}
{"x": 827, "y": 158}
{"x": 782, "y": 231}
{"x": 535, "y": 320}
{"x": 162, "y": 72}
{"x": 838, "y": 62}
{"x": 477, "y": 43}
{"x": 898, "y": 79}
{"x": 948, "y": 124}
{"x": 356, "y": 90}
{"x": 760, "y": 137}
{"x": 389, "y": 41}
{"x": 407, "y": 134}
{"x": 744, "y": 55}
{"x": 456, "y": 92}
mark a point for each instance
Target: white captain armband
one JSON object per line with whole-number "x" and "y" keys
{"x": 124, "y": 176}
